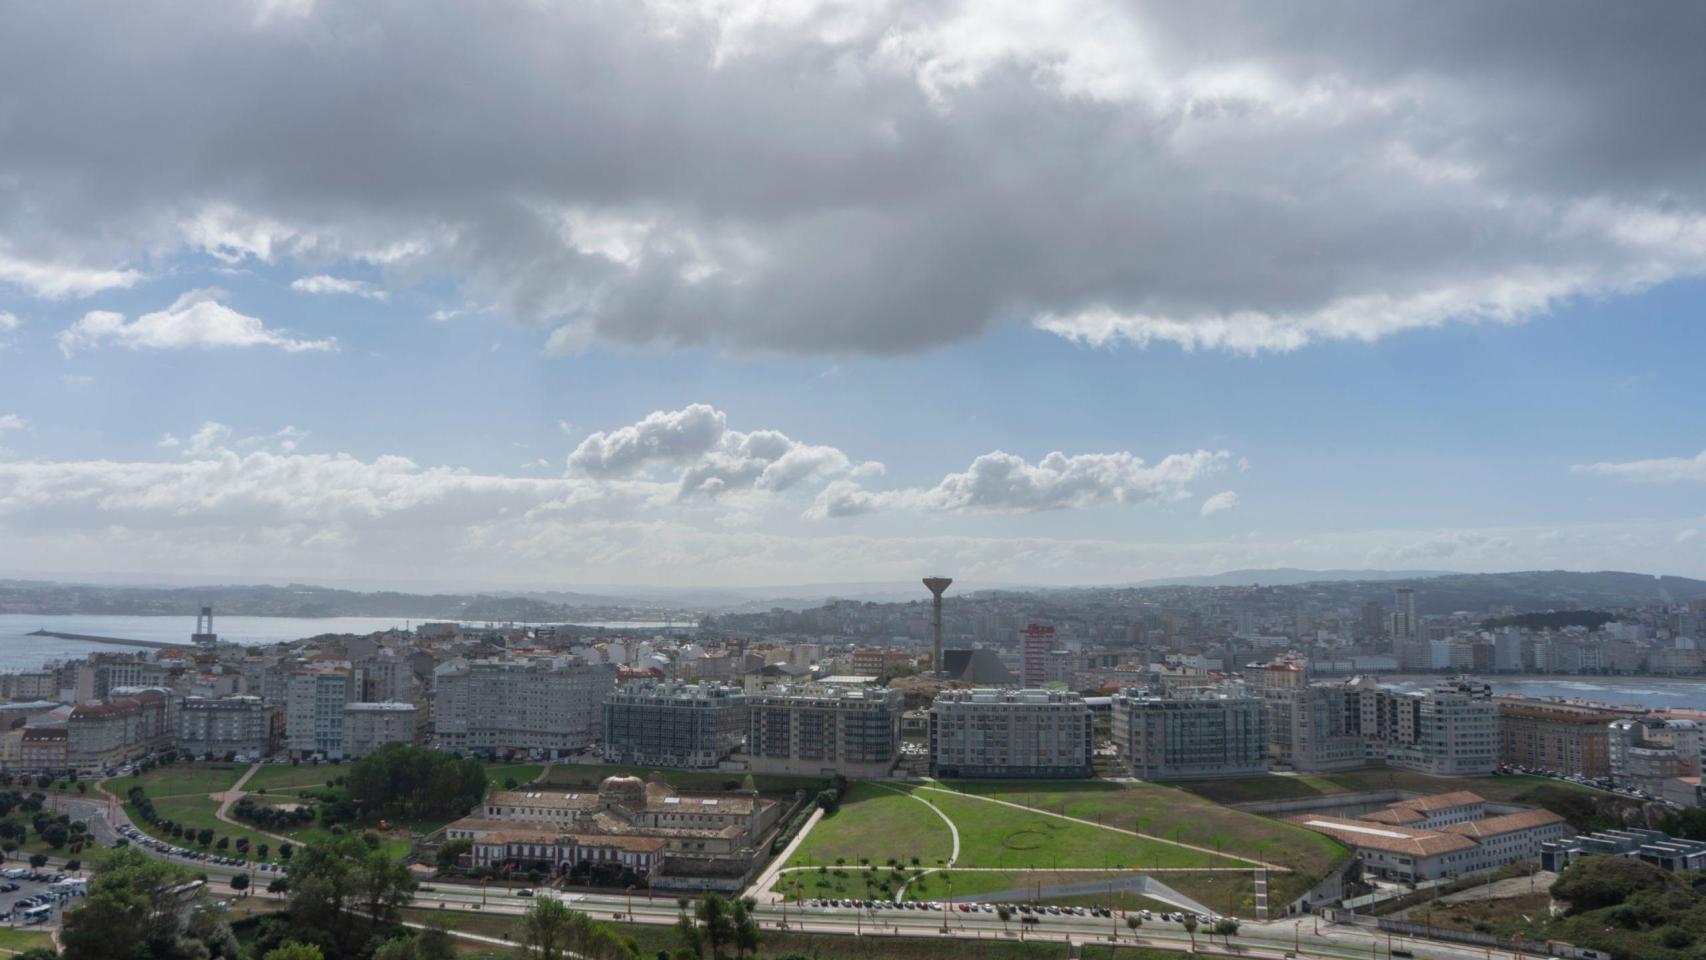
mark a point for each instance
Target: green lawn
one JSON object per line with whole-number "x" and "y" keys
{"x": 521, "y": 773}
{"x": 180, "y": 779}
{"x": 1276, "y": 787}
{"x": 281, "y": 777}
{"x": 1165, "y": 811}
{"x": 995, "y": 835}
{"x": 872, "y": 823}
{"x": 20, "y": 940}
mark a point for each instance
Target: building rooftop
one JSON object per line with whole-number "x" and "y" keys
{"x": 1359, "y": 833}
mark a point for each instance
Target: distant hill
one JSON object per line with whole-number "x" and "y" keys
{"x": 1289, "y": 577}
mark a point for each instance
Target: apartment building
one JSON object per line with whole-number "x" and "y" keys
{"x": 816, "y": 730}
{"x": 314, "y": 712}
{"x": 369, "y": 726}
{"x": 1196, "y": 734}
{"x": 547, "y": 706}
{"x": 104, "y": 735}
{"x": 244, "y": 726}
{"x": 661, "y": 724}
{"x": 44, "y": 749}
{"x": 1566, "y": 738}
{"x": 1448, "y": 729}
{"x": 999, "y": 733}
{"x": 1309, "y": 728}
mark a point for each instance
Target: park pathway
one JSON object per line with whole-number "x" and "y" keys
{"x": 1092, "y": 823}
{"x": 953, "y": 856}
{"x": 760, "y": 888}
{"x": 230, "y": 797}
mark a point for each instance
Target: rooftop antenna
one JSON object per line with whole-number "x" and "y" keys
{"x": 937, "y": 586}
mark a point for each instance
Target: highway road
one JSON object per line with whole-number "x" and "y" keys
{"x": 1256, "y": 939}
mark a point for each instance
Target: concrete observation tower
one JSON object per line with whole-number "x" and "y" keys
{"x": 937, "y": 586}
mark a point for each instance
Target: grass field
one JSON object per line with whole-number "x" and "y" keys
{"x": 283, "y": 777}
{"x": 1274, "y": 787}
{"x": 18, "y": 941}
{"x": 1164, "y": 811}
{"x": 521, "y": 773}
{"x": 995, "y": 835}
{"x": 181, "y": 779}
{"x": 971, "y": 883}
{"x": 872, "y": 823}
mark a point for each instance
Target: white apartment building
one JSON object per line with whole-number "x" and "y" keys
{"x": 550, "y": 706}
{"x": 814, "y": 729}
{"x": 369, "y": 726}
{"x": 1449, "y": 729}
{"x": 245, "y": 726}
{"x": 1199, "y": 734}
{"x": 1000, "y": 733}
{"x": 314, "y": 712}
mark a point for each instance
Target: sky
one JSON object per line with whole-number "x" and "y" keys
{"x": 732, "y": 293}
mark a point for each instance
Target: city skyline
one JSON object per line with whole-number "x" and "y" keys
{"x": 1086, "y": 294}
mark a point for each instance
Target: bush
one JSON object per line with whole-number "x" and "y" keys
{"x": 1594, "y": 882}
{"x": 1675, "y": 937}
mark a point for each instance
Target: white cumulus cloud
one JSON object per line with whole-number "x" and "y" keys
{"x": 322, "y": 283}
{"x": 11, "y": 421}
{"x": 198, "y": 318}
{"x": 710, "y": 458}
{"x": 1002, "y": 481}
{"x": 1656, "y": 470}
{"x": 1225, "y": 500}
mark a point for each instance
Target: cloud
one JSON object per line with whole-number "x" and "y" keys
{"x": 880, "y": 178}
{"x": 1659, "y": 470}
{"x": 711, "y": 458}
{"x": 198, "y": 318}
{"x": 1001, "y": 481}
{"x": 1225, "y": 500}
{"x": 9, "y": 324}
{"x": 57, "y": 281}
{"x": 11, "y": 421}
{"x": 325, "y": 284}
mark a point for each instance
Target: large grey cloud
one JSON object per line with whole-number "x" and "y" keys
{"x": 876, "y": 177}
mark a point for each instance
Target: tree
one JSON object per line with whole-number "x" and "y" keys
{"x": 452, "y": 850}
{"x": 712, "y": 915}
{"x": 133, "y": 910}
{"x": 240, "y": 882}
{"x": 1133, "y": 921}
{"x": 1593, "y": 882}
{"x": 1227, "y": 927}
{"x": 278, "y": 885}
{"x": 73, "y": 865}
{"x": 1191, "y": 928}
{"x": 343, "y": 894}
{"x": 285, "y": 850}
{"x": 295, "y": 951}
{"x": 1005, "y": 913}
{"x": 38, "y": 860}
{"x": 544, "y": 929}
{"x": 433, "y": 941}
{"x": 396, "y": 948}
{"x": 744, "y": 927}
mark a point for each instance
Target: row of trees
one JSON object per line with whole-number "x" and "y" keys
{"x": 403, "y": 781}
{"x": 206, "y": 838}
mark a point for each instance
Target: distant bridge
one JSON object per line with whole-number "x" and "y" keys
{"x": 116, "y": 641}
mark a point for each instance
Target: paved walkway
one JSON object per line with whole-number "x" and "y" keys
{"x": 230, "y": 797}
{"x": 954, "y": 855}
{"x": 760, "y": 888}
{"x": 1101, "y": 826}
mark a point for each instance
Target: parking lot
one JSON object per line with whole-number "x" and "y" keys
{"x": 32, "y": 891}
{"x": 260, "y": 871}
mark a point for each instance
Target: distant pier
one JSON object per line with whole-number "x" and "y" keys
{"x": 115, "y": 641}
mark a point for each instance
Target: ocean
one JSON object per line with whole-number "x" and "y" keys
{"x": 20, "y": 651}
